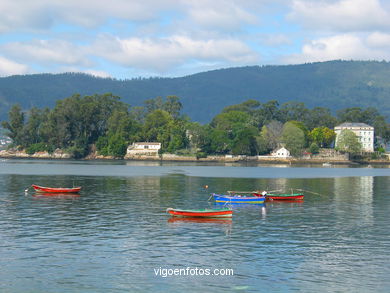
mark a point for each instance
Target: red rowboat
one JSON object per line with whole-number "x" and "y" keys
{"x": 38, "y": 188}
{"x": 205, "y": 213}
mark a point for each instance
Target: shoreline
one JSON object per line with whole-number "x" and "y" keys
{"x": 210, "y": 159}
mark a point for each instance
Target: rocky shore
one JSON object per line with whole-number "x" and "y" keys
{"x": 59, "y": 154}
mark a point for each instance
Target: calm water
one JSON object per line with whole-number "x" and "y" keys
{"x": 115, "y": 235}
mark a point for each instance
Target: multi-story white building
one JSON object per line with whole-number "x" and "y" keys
{"x": 364, "y": 132}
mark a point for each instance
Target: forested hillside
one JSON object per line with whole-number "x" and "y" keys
{"x": 334, "y": 84}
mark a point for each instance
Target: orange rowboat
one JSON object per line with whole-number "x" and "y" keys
{"x": 205, "y": 213}
{"x": 38, "y": 188}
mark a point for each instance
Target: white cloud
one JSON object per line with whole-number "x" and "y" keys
{"x": 341, "y": 15}
{"x": 43, "y": 14}
{"x": 373, "y": 46}
{"x": 220, "y": 14}
{"x": 48, "y": 51}
{"x": 163, "y": 53}
{"x": 9, "y": 67}
{"x": 379, "y": 40}
{"x": 164, "y": 37}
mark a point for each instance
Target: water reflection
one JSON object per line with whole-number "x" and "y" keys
{"x": 361, "y": 188}
{"x": 293, "y": 202}
{"x": 199, "y": 220}
{"x": 55, "y": 195}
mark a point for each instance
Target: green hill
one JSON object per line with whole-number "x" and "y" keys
{"x": 333, "y": 84}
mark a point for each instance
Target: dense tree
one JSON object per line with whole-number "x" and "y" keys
{"x": 229, "y": 120}
{"x": 322, "y": 136}
{"x": 348, "y": 142}
{"x": 269, "y": 112}
{"x": 250, "y": 128}
{"x": 156, "y": 127}
{"x": 382, "y": 128}
{"x": 294, "y": 111}
{"x": 249, "y": 106}
{"x": 320, "y": 116}
{"x": 357, "y": 114}
{"x": 263, "y": 145}
{"x": 220, "y": 143}
{"x": 33, "y": 130}
{"x": 152, "y": 105}
{"x": 116, "y": 145}
{"x": 293, "y": 138}
{"x": 245, "y": 143}
{"x": 273, "y": 133}
{"x": 15, "y": 125}
{"x": 178, "y": 136}
{"x": 173, "y": 106}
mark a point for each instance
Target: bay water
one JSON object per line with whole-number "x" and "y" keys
{"x": 116, "y": 237}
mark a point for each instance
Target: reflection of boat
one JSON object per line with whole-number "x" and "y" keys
{"x": 282, "y": 196}
{"x": 38, "y": 188}
{"x": 200, "y": 220}
{"x": 241, "y": 205}
{"x": 203, "y": 213}
{"x": 235, "y": 199}
{"x": 295, "y": 201}
{"x": 56, "y": 195}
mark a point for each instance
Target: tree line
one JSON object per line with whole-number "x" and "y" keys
{"x": 77, "y": 123}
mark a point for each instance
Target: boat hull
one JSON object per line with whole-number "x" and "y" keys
{"x": 294, "y": 196}
{"x": 236, "y": 199}
{"x": 44, "y": 189}
{"x": 200, "y": 220}
{"x": 207, "y": 213}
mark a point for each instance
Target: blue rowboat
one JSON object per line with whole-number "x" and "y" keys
{"x": 233, "y": 199}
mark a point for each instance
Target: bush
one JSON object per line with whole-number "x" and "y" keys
{"x": 102, "y": 145}
{"x": 112, "y": 145}
{"x": 184, "y": 152}
{"x": 76, "y": 152}
{"x": 37, "y": 147}
{"x": 381, "y": 150}
{"x": 314, "y": 148}
{"x": 117, "y": 146}
{"x": 200, "y": 155}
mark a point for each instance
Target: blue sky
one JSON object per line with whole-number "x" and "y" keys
{"x": 127, "y": 39}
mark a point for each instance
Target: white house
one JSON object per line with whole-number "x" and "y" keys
{"x": 281, "y": 153}
{"x": 364, "y": 132}
{"x": 144, "y": 148}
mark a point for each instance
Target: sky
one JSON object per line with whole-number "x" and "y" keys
{"x": 127, "y": 39}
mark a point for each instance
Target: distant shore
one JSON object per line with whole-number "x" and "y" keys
{"x": 6, "y": 154}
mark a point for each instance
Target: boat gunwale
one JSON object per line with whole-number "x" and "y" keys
{"x": 39, "y": 188}
{"x": 206, "y": 213}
